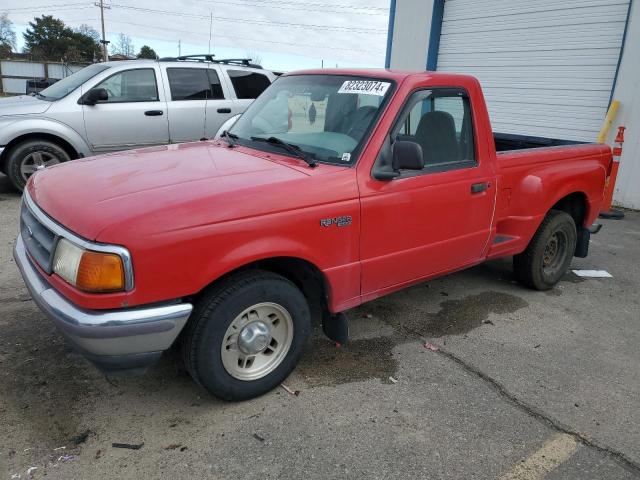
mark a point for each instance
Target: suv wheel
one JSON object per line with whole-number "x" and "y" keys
{"x": 28, "y": 157}
{"x": 246, "y": 335}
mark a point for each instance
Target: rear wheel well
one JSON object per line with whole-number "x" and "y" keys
{"x": 66, "y": 146}
{"x": 305, "y": 275}
{"x": 575, "y": 205}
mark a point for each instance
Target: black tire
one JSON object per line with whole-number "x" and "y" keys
{"x": 21, "y": 153}
{"x": 218, "y": 307}
{"x": 549, "y": 252}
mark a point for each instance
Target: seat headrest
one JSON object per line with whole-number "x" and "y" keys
{"x": 436, "y": 133}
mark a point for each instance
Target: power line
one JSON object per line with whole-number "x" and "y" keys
{"x": 329, "y": 47}
{"x": 319, "y": 8}
{"x": 29, "y": 9}
{"x": 322, "y": 5}
{"x": 373, "y": 31}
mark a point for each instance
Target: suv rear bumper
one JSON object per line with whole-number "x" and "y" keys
{"x": 124, "y": 340}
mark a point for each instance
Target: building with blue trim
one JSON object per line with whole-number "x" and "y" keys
{"x": 549, "y": 68}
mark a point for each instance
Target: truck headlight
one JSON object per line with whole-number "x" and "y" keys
{"x": 88, "y": 270}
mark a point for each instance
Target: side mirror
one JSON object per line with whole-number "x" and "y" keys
{"x": 94, "y": 96}
{"x": 407, "y": 156}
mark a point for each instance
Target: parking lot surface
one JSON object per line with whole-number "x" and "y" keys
{"x": 521, "y": 385}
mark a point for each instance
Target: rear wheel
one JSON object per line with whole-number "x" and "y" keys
{"x": 28, "y": 157}
{"x": 549, "y": 253}
{"x": 246, "y": 335}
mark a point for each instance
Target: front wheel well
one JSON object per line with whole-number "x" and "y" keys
{"x": 62, "y": 143}
{"x": 302, "y": 273}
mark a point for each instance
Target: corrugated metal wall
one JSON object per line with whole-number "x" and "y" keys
{"x": 14, "y": 73}
{"x": 547, "y": 67}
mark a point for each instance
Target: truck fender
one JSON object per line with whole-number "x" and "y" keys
{"x": 269, "y": 248}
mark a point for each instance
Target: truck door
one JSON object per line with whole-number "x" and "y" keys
{"x": 432, "y": 220}
{"x": 133, "y": 115}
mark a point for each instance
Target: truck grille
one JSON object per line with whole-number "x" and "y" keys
{"x": 39, "y": 240}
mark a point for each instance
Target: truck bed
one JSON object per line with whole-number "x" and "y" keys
{"x": 530, "y": 178}
{"x": 507, "y": 142}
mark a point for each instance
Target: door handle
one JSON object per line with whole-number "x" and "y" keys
{"x": 153, "y": 113}
{"x": 480, "y": 187}
{"x": 224, "y": 110}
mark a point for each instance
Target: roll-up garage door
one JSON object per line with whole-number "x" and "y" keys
{"x": 546, "y": 67}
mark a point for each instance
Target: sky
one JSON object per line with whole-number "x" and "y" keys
{"x": 285, "y": 34}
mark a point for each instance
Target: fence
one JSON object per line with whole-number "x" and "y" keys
{"x": 15, "y": 73}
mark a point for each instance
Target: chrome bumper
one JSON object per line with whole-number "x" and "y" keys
{"x": 122, "y": 339}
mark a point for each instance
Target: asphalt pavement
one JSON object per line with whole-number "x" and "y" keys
{"x": 513, "y": 384}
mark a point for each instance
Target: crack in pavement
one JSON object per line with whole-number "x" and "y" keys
{"x": 540, "y": 415}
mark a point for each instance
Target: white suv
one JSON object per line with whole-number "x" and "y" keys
{"x": 121, "y": 105}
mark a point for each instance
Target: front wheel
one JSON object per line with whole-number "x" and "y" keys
{"x": 246, "y": 335}
{"x": 28, "y": 157}
{"x": 549, "y": 253}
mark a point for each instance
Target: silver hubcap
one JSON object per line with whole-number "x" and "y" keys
{"x": 36, "y": 161}
{"x": 257, "y": 341}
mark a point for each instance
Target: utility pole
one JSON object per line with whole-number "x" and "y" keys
{"x": 210, "y": 28}
{"x": 104, "y": 41}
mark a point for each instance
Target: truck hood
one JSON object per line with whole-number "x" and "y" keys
{"x": 23, "y": 105}
{"x": 166, "y": 188}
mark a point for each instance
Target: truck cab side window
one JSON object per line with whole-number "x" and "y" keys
{"x": 439, "y": 120}
{"x": 131, "y": 86}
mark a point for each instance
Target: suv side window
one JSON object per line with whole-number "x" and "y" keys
{"x": 248, "y": 84}
{"x": 216, "y": 89}
{"x": 439, "y": 120}
{"x": 188, "y": 83}
{"x": 137, "y": 85}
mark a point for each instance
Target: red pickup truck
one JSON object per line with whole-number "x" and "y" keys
{"x": 333, "y": 189}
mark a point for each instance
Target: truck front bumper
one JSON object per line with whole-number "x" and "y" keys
{"x": 125, "y": 340}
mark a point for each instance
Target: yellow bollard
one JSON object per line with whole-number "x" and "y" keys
{"x": 608, "y": 121}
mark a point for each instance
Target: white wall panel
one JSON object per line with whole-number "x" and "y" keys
{"x": 411, "y": 34}
{"x": 627, "y": 190}
{"x": 14, "y": 85}
{"x": 547, "y": 67}
{"x": 22, "y": 69}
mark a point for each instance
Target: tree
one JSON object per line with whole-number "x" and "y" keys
{"x": 7, "y": 36}
{"x": 254, "y": 56}
{"x": 88, "y": 31}
{"x": 147, "y": 52}
{"x": 48, "y": 38}
{"x": 123, "y": 46}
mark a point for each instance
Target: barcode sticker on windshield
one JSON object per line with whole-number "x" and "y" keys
{"x": 368, "y": 87}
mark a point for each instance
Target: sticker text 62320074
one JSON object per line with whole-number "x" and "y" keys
{"x": 367, "y": 87}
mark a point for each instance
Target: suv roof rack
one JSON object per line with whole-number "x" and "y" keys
{"x": 208, "y": 57}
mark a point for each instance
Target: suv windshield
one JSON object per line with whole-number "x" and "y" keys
{"x": 326, "y": 116}
{"x": 68, "y": 84}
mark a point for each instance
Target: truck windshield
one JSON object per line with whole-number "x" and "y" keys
{"x": 326, "y": 117}
{"x": 68, "y": 84}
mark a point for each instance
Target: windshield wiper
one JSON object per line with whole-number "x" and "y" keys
{"x": 231, "y": 138}
{"x": 39, "y": 95}
{"x": 289, "y": 147}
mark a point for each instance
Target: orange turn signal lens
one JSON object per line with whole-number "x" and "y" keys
{"x": 100, "y": 272}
